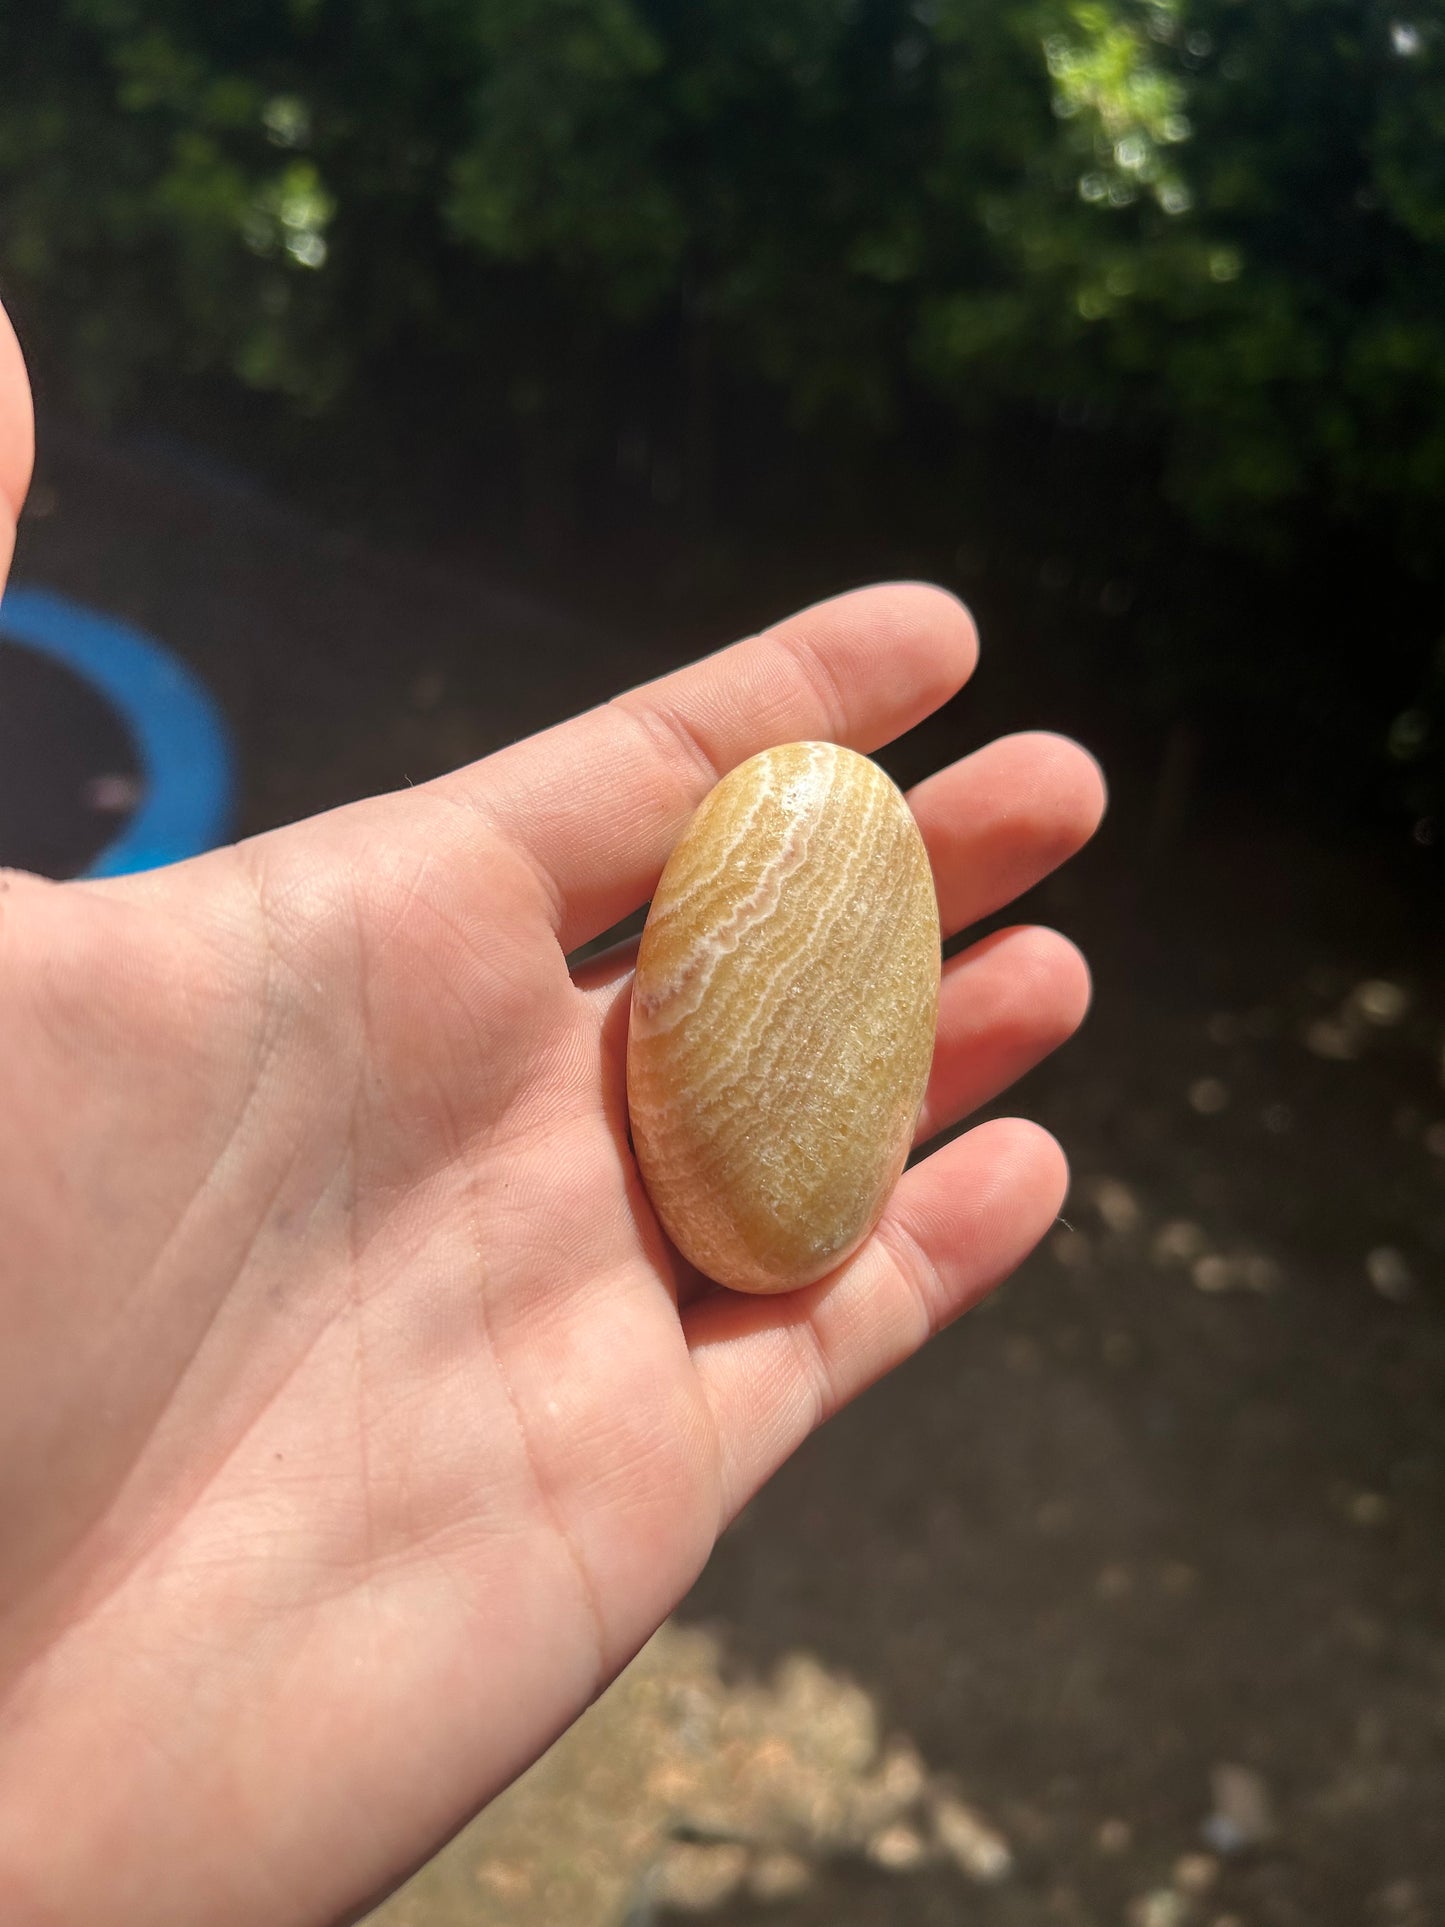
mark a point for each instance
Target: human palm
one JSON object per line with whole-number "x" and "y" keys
{"x": 357, "y": 1422}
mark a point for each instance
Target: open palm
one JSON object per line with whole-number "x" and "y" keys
{"x": 357, "y": 1423}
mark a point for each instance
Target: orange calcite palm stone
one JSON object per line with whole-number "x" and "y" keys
{"x": 783, "y": 1017}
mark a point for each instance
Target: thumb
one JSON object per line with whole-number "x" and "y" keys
{"x": 17, "y": 440}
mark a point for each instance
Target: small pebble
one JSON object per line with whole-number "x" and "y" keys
{"x": 1179, "y": 1242}
{"x": 1368, "y": 1509}
{"x": 778, "y": 1876}
{"x": 696, "y": 1877}
{"x": 1114, "y": 1837}
{"x": 1209, "y": 1096}
{"x": 1243, "y": 1814}
{"x": 1389, "y": 1272}
{"x": 1195, "y": 1873}
{"x": 1114, "y": 1582}
{"x": 1213, "y": 1273}
{"x": 1334, "y": 1041}
{"x": 898, "y": 1848}
{"x": 974, "y": 1847}
{"x": 1400, "y": 1897}
{"x": 1117, "y": 1205}
{"x": 904, "y": 1775}
{"x": 1381, "y": 1002}
{"x": 1162, "y": 1908}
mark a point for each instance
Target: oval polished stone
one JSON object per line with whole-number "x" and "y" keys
{"x": 783, "y": 1017}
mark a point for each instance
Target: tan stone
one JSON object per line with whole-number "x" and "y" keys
{"x": 783, "y": 1017}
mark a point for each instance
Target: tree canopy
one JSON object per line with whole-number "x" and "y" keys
{"x": 1219, "y": 222}
{"x": 1230, "y": 216}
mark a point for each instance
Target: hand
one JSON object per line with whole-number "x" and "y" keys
{"x": 357, "y": 1423}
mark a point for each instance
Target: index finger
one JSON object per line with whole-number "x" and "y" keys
{"x": 596, "y": 804}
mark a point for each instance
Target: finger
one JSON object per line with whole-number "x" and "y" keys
{"x": 994, "y": 824}
{"x": 1000, "y": 820}
{"x": 17, "y": 440}
{"x": 596, "y": 804}
{"x": 773, "y": 1369}
{"x": 1003, "y": 1006}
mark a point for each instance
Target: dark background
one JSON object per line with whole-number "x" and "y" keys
{"x": 423, "y": 370}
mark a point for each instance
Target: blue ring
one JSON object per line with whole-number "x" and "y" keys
{"x": 184, "y": 748}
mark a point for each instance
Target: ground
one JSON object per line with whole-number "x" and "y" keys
{"x": 1125, "y": 1602}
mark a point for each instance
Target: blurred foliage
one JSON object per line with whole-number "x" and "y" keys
{"x": 1217, "y": 225}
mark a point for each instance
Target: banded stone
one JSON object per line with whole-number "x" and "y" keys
{"x": 783, "y": 1017}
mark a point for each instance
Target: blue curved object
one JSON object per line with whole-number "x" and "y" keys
{"x": 187, "y": 762}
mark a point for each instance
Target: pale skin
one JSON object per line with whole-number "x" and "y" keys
{"x": 357, "y": 1423}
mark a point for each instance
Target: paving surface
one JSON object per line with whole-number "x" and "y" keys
{"x": 1126, "y": 1601}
